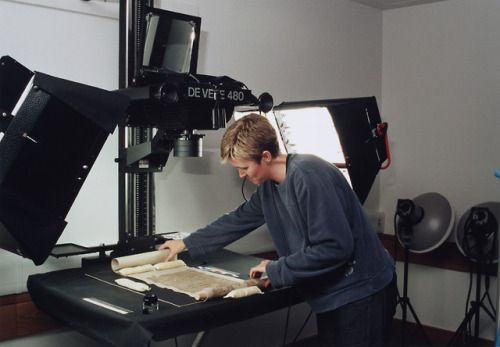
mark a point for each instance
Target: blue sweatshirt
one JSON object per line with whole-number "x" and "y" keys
{"x": 326, "y": 244}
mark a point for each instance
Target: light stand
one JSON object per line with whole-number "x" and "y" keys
{"x": 473, "y": 312}
{"x": 424, "y": 224}
{"x": 478, "y": 244}
{"x": 409, "y": 214}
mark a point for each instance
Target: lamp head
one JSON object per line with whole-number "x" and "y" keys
{"x": 409, "y": 212}
{"x": 424, "y": 222}
{"x": 265, "y": 102}
{"x": 477, "y": 232}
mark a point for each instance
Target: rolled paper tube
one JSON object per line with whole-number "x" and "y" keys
{"x": 214, "y": 292}
{"x": 138, "y": 286}
{"x": 135, "y": 270}
{"x": 139, "y": 259}
{"x": 243, "y": 292}
{"x": 169, "y": 265}
{"x": 259, "y": 282}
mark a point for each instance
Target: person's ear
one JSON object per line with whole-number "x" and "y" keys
{"x": 266, "y": 157}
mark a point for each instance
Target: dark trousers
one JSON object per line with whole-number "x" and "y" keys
{"x": 366, "y": 322}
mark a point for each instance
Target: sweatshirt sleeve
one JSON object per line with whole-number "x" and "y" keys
{"x": 328, "y": 239}
{"x": 226, "y": 229}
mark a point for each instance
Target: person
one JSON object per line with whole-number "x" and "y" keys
{"x": 326, "y": 244}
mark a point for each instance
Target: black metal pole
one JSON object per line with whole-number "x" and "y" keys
{"x": 122, "y": 83}
{"x": 404, "y": 300}
{"x": 477, "y": 304}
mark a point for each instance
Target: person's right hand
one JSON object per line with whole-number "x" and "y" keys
{"x": 257, "y": 271}
{"x": 175, "y": 246}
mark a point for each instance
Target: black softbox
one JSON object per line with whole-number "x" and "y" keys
{"x": 53, "y": 131}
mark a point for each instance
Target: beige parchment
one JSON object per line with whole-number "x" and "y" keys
{"x": 151, "y": 268}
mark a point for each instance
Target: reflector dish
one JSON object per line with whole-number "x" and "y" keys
{"x": 434, "y": 227}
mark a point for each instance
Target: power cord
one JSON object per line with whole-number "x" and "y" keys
{"x": 242, "y": 189}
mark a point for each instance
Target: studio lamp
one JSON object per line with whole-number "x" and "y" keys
{"x": 477, "y": 231}
{"x": 477, "y": 239}
{"x": 421, "y": 225}
{"x": 424, "y": 222}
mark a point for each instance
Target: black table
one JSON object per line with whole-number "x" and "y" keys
{"x": 60, "y": 294}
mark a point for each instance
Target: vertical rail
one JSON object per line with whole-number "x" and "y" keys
{"x": 136, "y": 199}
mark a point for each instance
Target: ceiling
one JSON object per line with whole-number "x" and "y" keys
{"x": 380, "y": 4}
{"x": 390, "y": 4}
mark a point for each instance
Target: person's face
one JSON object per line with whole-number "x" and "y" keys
{"x": 255, "y": 172}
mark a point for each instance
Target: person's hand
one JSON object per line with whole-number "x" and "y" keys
{"x": 257, "y": 271}
{"x": 175, "y": 246}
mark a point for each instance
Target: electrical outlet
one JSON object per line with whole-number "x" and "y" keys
{"x": 378, "y": 221}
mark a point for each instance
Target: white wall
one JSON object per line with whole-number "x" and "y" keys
{"x": 440, "y": 88}
{"x": 322, "y": 49}
{"x": 293, "y": 49}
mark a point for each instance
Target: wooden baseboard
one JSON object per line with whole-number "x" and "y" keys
{"x": 19, "y": 316}
{"x": 446, "y": 256}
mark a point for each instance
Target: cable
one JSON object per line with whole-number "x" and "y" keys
{"x": 382, "y": 131}
{"x": 396, "y": 251}
{"x": 388, "y": 154}
{"x": 396, "y": 237}
{"x": 242, "y": 190}
{"x": 469, "y": 292}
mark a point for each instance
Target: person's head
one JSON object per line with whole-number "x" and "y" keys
{"x": 250, "y": 144}
{"x": 248, "y": 138}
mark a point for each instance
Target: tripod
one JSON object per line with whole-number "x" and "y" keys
{"x": 480, "y": 228}
{"x": 404, "y": 301}
{"x": 473, "y": 311}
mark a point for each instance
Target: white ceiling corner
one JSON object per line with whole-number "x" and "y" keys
{"x": 391, "y": 4}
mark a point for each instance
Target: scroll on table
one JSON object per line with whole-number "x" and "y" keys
{"x": 151, "y": 268}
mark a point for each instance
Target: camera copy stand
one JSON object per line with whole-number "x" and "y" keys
{"x": 404, "y": 301}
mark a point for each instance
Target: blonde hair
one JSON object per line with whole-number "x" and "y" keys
{"x": 247, "y": 138}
